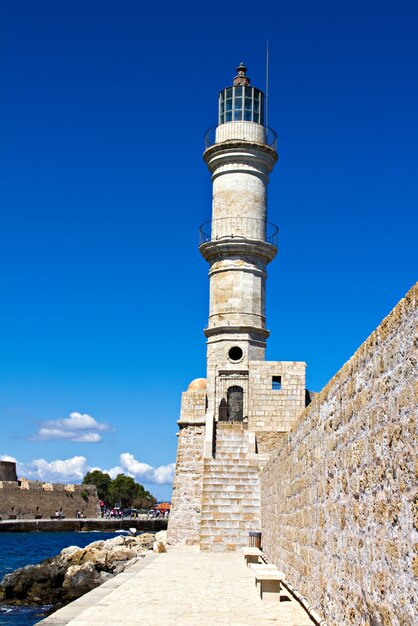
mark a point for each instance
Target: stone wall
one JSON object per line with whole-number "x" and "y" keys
{"x": 32, "y": 499}
{"x": 339, "y": 501}
{"x": 184, "y": 521}
{"x": 193, "y": 406}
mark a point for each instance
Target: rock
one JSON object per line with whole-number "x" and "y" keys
{"x": 146, "y": 540}
{"x": 64, "y": 554}
{"x": 160, "y": 543}
{"x": 159, "y": 547}
{"x": 73, "y": 572}
{"x": 81, "y": 578}
{"x": 161, "y": 536}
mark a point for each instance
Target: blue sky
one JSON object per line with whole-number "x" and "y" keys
{"x": 104, "y": 295}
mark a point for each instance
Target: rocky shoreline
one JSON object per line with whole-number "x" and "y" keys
{"x": 75, "y": 571}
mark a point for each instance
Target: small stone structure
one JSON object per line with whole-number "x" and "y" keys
{"x": 8, "y": 471}
{"x": 28, "y": 499}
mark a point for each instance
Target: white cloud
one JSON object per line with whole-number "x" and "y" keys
{"x": 75, "y": 468}
{"x": 59, "y": 470}
{"x": 79, "y": 427}
{"x": 142, "y": 471}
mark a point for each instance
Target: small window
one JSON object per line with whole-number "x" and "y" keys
{"x": 276, "y": 383}
{"x": 235, "y": 353}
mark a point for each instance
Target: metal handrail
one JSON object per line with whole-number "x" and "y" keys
{"x": 249, "y": 228}
{"x": 210, "y": 137}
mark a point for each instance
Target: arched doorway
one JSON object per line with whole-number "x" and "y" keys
{"x": 235, "y": 404}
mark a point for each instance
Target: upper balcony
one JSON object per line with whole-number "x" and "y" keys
{"x": 242, "y": 132}
{"x": 240, "y": 229}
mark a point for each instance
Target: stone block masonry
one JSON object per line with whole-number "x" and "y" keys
{"x": 26, "y": 499}
{"x": 339, "y": 501}
{"x": 275, "y": 410}
{"x": 184, "y": 523}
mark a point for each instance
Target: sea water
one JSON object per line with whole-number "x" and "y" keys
{"x": 20, "y": 549}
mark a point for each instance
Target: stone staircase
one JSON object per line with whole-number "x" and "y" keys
{"x": 231, "y": 491}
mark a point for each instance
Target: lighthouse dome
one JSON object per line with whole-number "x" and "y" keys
{"x": 198, "y": 384}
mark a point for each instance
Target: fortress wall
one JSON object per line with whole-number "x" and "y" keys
{"x": 29, "y": 499}
{"x": 184, "y": 521}
{"x": 339, "y": 501}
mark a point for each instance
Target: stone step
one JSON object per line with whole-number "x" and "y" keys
{"x": 209, "y": 541}
{"x": 229, "y": 488}
{"x": 229, "y": 527}
{"x": 238, "y": 498}
{"x": 210, "y": 500}
{"x": 229, "y": 531}
{"x": 230, "y": 426}
{"x": 215, "y": 519}
{"x": 231, "y": 438}
{"x": 232, "y": 466}
{"x": 232, "y": 456}
{"x": 226, "y": 450}
{"x": 220, "y": 505}
{"x": 247, "y": 486}
{"x": 238, "y": 536}
{"x": 231, "y": 477}
{"x": 223, "y": 509}
{"x": 242, "y": 465}
{"x": 243, "y": 497}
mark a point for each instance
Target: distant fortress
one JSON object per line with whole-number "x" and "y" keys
{"x": 33, "y": 499}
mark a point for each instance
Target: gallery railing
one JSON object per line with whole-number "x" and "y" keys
{"x": 238, "y": 227}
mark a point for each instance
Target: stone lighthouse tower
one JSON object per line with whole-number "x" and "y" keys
{"x": 231, "y": 420}
{"x": 237, "y": 246}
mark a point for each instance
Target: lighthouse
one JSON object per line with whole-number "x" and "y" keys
{"x": 238, "y": 244}
{"x": 231, "y": 420}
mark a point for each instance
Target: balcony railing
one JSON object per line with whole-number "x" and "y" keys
{"x": 241, "y": 131}
{"x": 249, "y": 228}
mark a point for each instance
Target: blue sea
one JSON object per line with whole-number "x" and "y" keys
{"x": 20, "y": 549}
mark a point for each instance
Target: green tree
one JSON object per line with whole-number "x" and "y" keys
{"x": 102, "y": 482}
{"x": 143, "y": 499}
{"x": 123, "y": 490}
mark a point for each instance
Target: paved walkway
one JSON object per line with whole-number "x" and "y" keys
{"x": 184, "y": 587}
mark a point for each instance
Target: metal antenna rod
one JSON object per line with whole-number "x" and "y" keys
{"x": 267, "y": 83}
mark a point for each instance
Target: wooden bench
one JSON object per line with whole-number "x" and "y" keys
{"x": 269, "y": 579}
{"x": 251, "y": 555}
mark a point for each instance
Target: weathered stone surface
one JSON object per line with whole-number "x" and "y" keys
{"x": 30, "y": 499}
{"x": 184, "y": 520}
{"x": 339, "y": 496}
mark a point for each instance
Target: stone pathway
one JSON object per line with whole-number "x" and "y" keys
{"x": 184, "y": 587}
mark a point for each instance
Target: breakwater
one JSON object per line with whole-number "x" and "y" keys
{"x": 83, "y": 525}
